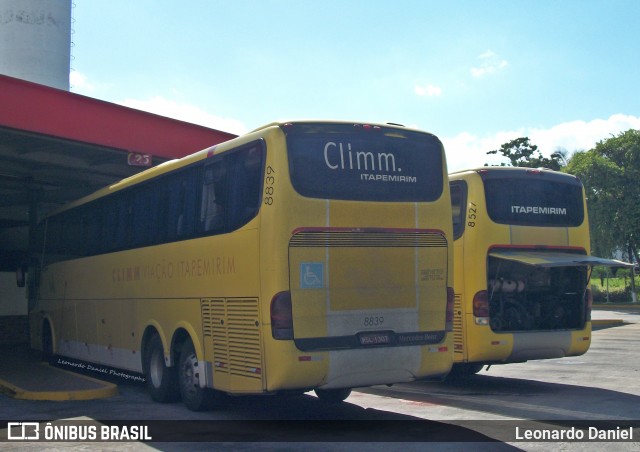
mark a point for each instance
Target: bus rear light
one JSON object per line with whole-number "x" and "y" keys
{"x": 450, "y": 302}
{"x": 441, "y": 349}
{"x": 367, "y": 127}
{"x": 481, "y": 304}
{"x": 281, "y": 316}
{"x": 309, "y": 358}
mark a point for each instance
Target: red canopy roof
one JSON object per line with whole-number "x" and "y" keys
{"x": 40, "y": 109}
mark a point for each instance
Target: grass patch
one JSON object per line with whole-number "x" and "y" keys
{"x": 619, "y": 288}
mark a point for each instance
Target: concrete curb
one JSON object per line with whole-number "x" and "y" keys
{"x": 100, "y": 389}
{"x": 633, "y": 306}
{"x": 607, "y": 322}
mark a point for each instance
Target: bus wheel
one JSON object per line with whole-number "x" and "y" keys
{"x": 193, "y": 396}
{"x": 161, "y": 380}
{"x": 333, "y": 395}
{"x": 463, "y": 370}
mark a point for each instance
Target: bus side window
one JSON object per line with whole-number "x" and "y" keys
{"x": 212, "y": 201}
{"x": 231, "y": 189}
{"x": 245, "y": 193}
{"x": 144, "y": 215}
{"x": 182, "y": 204}
{"x": 458, "y": 206}
{"x": 180, "y": 226}
{"x": 176, "y": 193}
{"x": 52, "y": 237}
{"x": 123, "y": 219}
{"x": 71, "y": 234}
{"x": 93, "y": 223}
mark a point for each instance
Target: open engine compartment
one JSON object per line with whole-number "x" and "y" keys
{"x": 529, "y": 298}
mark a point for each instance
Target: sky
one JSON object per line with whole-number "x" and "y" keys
{"x": 477, "y": 73}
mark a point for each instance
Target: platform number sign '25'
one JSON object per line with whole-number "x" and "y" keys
{"x": 135, "y": 159}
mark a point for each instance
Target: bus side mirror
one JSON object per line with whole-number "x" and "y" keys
{"x": 21, "y": 275}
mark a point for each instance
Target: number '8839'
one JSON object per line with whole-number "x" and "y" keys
{"x": 373, "y": 320}
{"x": 269, "y": 181}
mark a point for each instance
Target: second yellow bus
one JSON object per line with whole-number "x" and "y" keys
{"x": 522, "y": 266}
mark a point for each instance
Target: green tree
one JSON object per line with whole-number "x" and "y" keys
{"x": 610, "y": 173}
{"x": 521, "y": 152}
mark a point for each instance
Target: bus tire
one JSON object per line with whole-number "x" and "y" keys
{"x": 162, "y": 381}
{"x": 464, "y": 370}
{"x": 193, "y": 396}
{"x": 333, "y": 395}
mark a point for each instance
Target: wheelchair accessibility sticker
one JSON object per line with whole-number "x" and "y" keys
{"x": 312, "y": 275}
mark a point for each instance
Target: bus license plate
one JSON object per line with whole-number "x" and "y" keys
{"x": 375, "y": 339}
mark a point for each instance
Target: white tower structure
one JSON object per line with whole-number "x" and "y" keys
{"x": 35, "y": 41}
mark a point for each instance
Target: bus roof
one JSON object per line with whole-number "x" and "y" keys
{"x": 513, "y": 171}
{"x": 390, "y": 125}
{"x": 204, "y": 153}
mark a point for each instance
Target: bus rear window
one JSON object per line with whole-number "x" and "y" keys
{"x": 360, "y": 163}
{"x": 534, "y": 202}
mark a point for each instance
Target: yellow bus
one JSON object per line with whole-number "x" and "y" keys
{"x": 522, "y": 266}
{"x": 301, "y": 256}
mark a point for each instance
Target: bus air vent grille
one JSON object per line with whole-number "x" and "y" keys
{"x": 233, "y": 326}
{"x": 457, "y": 323}
{"x": 368, "y": 238}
